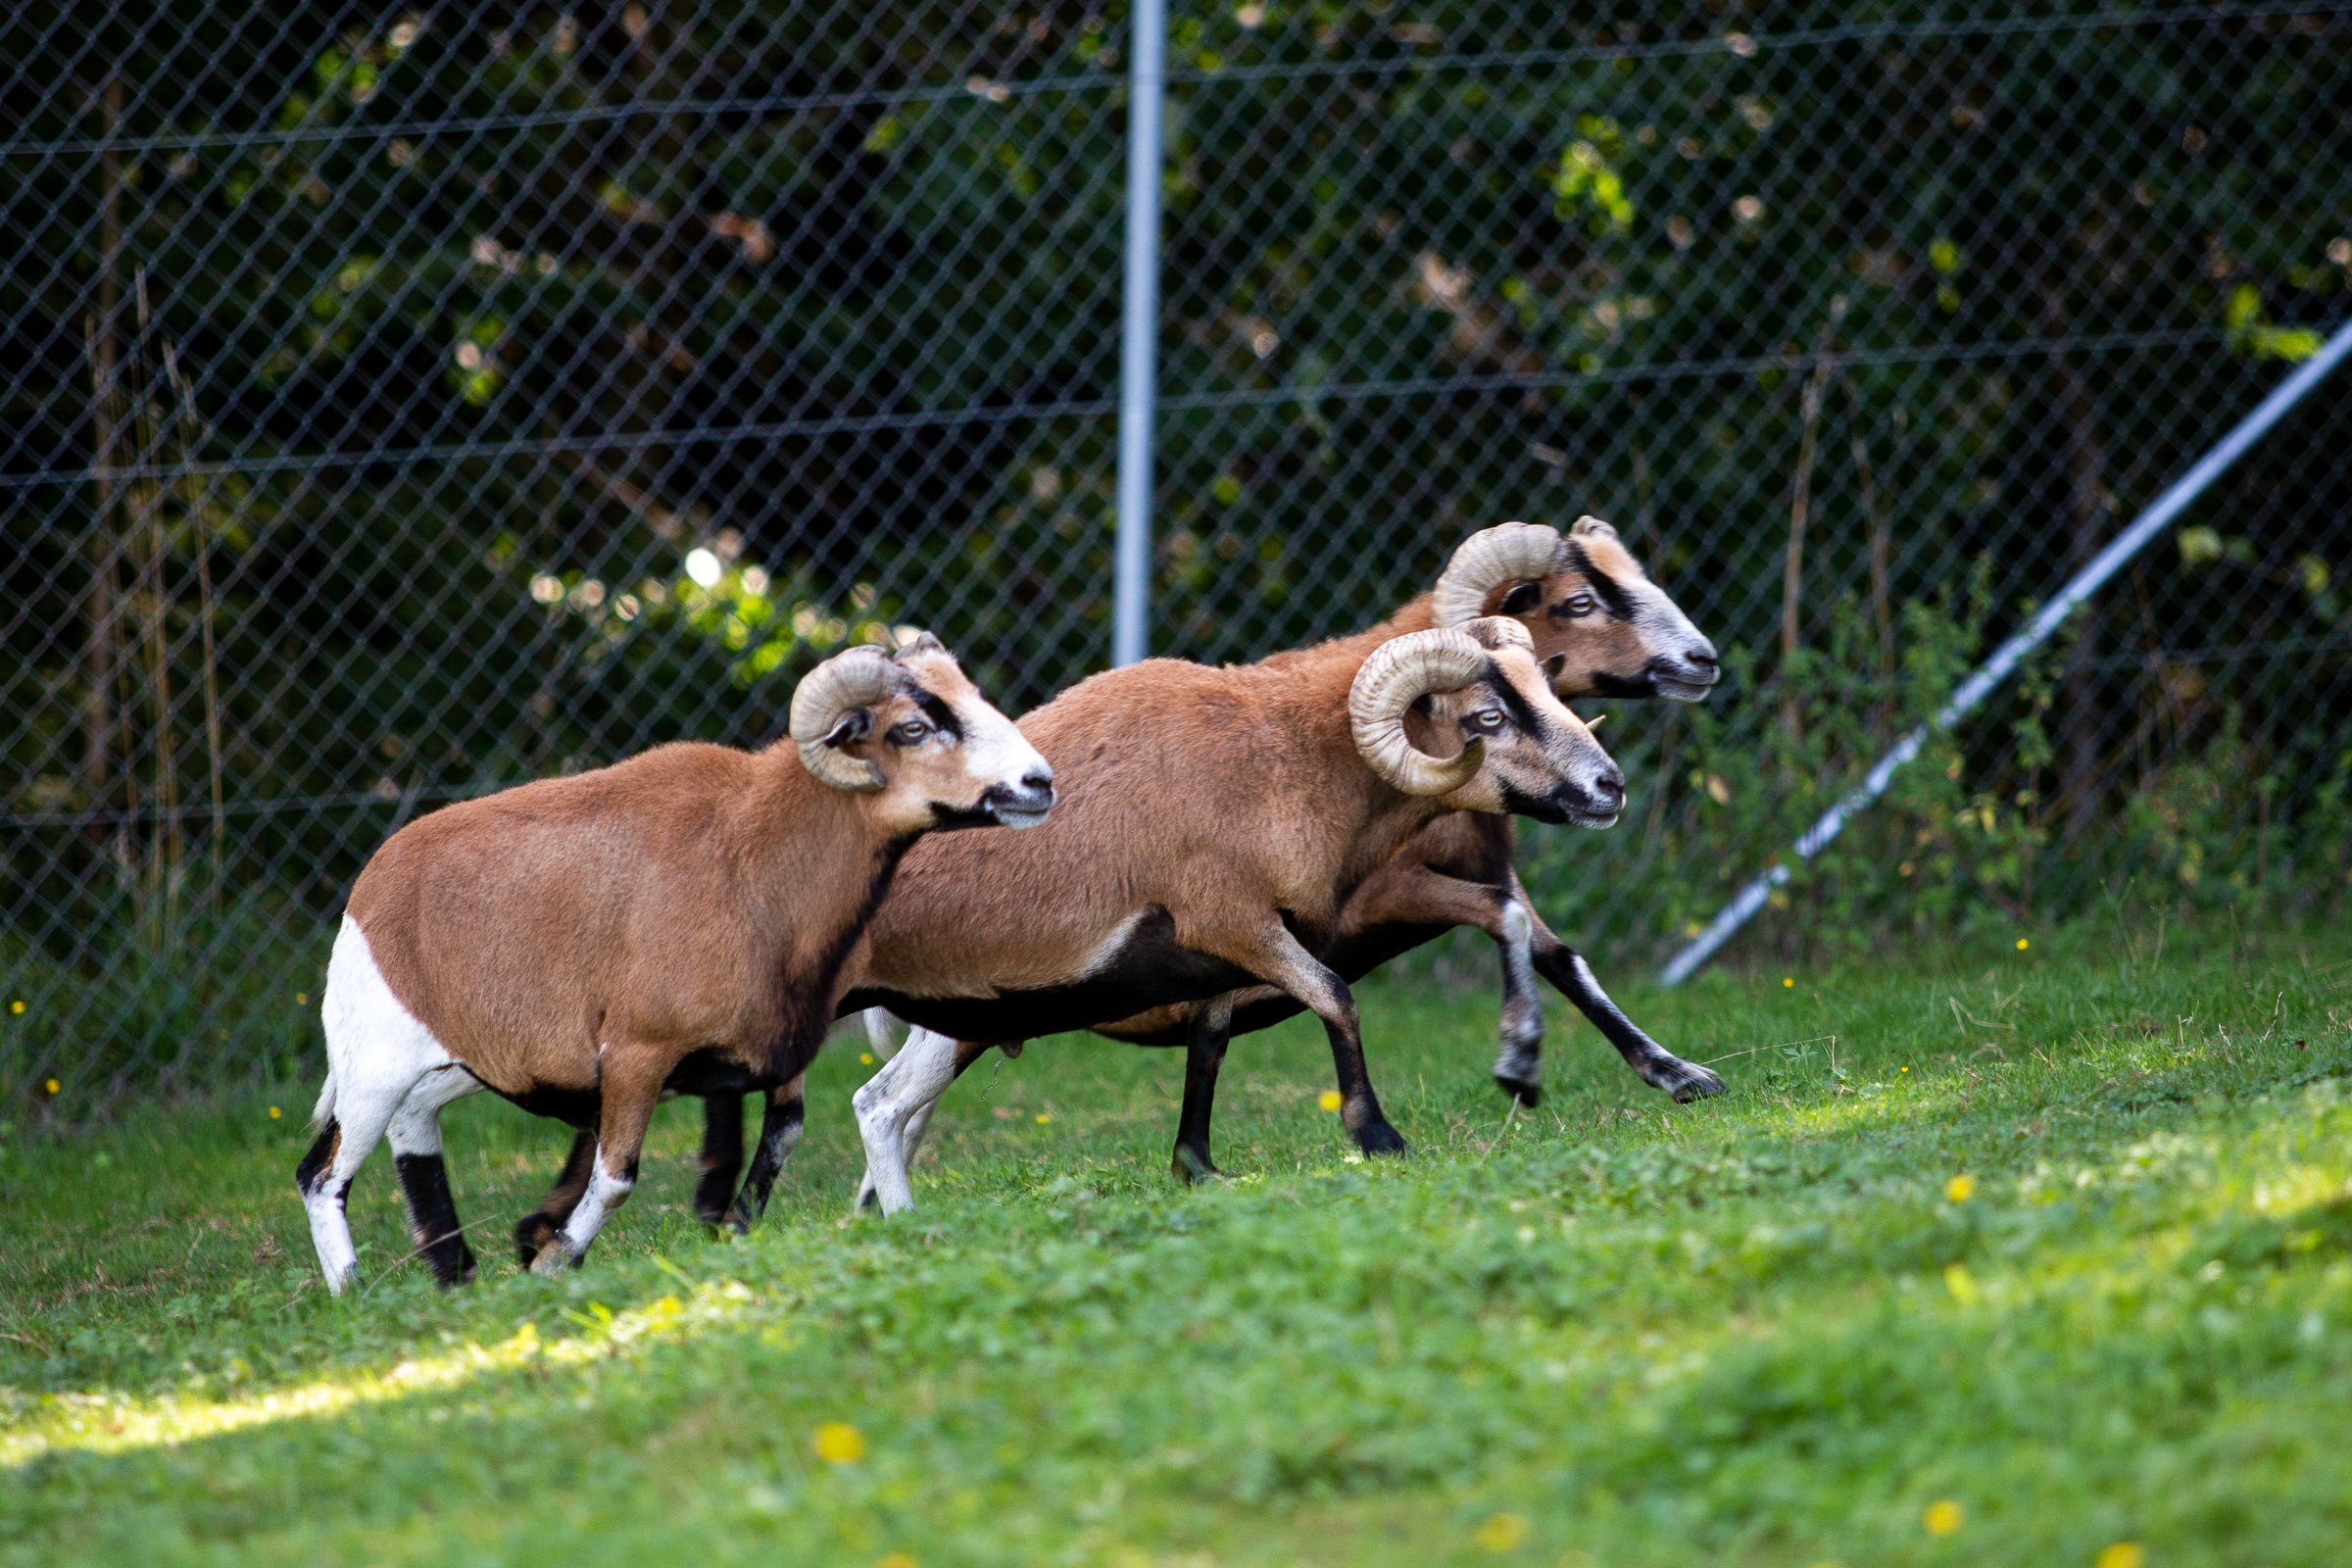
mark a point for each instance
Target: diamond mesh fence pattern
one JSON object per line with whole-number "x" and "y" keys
{"x": 404, "y": 402}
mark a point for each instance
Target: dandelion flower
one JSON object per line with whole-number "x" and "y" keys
{"x": 866, "y": 1057}
{"x": 1329, "y": 1099}
{"x": 895, "y": 1559}
{"x": 1943, "y": 1517}
{"x": 1960, "y": 1189}
{"x": 54, "y": 1086}
{"x": 839, "y": 1442}
{"x": 17, "y": 1006}
{"x": 1788, "y": 981}
{"x": 302, "y": 999}
{"x": 1502, "y": 1533}
{"x": 275, "y": 1114}
{"x": 2123, "y": 1555}
{"x": 2021, "y": 944}
{"x": 1043, "y": 1118}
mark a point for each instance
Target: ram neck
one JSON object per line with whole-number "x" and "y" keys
{"x": 1369, "y": 819}
{"x": 811, "y": 849}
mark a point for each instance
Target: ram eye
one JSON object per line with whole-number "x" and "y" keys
{"x": 1487, "y": 721}
{"x": 1578, "y": 605}
{"x": 909, "y": 733}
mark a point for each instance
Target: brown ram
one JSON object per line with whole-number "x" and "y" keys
{"x": 1213, "y": 824}
{"x": 676, "y": 921}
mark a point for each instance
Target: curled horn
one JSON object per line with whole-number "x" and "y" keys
{"x": 832, "y": 691}
{"x": 1399, "y": 674}
{"x": 1511, "y": 551}
{"x": 1497, "y": 632}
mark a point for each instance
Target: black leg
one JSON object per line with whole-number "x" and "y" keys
{"x": 1212, "y": 1028}
{"x": 779, "y": 1131}
{"x": 722, "y": 1159}
{"x": 539, "y": 1227}
{"x": 1659, "y": 1067}
{"x": 433, "y": 1218}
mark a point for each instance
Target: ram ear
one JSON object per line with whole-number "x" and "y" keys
{"x": 854, "y": 725}
{"x": 922, "y": 643}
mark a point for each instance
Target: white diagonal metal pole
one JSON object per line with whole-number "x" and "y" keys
{"x": 2166, "y": 506}
{"x": 1131, "y": 571}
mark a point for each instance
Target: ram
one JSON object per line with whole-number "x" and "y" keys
{"x": 678, "y": 921}
{"x": 1213, "y": 824}
{"x": 1588, "y": 604}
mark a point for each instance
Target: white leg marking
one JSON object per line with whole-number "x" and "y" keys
{"x": 918, "y": 1126}
{"x": 1521, "y": 1060}
{"x": 415, "y": 1127}
{"x": 377, "y": 1056}
{"x": 606, "y": 1191}
{"x": 914, "y": 1079}
{"x": 877, "y": 1032}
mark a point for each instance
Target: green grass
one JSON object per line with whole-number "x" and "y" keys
{"x": 1760, "y": 1330}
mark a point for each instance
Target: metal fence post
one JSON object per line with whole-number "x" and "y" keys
{"x": 1131, "y": 606}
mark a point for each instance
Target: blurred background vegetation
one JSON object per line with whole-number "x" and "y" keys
{"x": 399, "y": 403}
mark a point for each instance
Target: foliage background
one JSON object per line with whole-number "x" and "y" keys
{"x": 400, "y": 403}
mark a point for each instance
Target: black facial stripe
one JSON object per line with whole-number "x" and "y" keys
{"x": 940, "y": 715}
{"x": 1613, "y": 598}
{"x": 1522, "y": 711}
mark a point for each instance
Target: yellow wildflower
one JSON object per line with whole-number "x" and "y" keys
{"x": 1943, "y": 1517}
{"x": 16, "y": 1006}
{"x": 2123, "y": 1555}
{"x": 275, "y": 1114}
{"x": 1329, "y": 1099}
{"x": 1788, "y": 980}
{"x": 1043, "y": 1118}
{"x": 1502, "y": 1533}
{"x": 54, "y": 1086}
{"x": 1960, "y": 1189}
{"x": 2021, "y": 944}
{"x": 1962, "y": 1285}
{"x": 895, "y": 1559}
{"x": 865, "y": 1059}
{"x": 839, "y": 1442}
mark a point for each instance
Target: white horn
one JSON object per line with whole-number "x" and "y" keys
{"x": 831, "y": 692}
{"x": 1511, "y": 551}
{"x": 1399, "y": 673}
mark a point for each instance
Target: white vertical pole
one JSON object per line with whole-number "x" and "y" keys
{"x": 1131, "y": 577}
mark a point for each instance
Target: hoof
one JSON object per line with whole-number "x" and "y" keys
{"x": 1379, "y": 1138}
{"x": 552, "y": 1259}
{"x": 1528, "y": 1094}
{"x": 532, "y": 1236}
{"x": 1193, "y": 1167}
{"x": 1685, "y": 1081}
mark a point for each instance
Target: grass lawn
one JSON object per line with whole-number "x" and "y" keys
{"x": 2054, "y": 1254}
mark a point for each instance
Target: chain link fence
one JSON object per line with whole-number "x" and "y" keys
{"x": 400, "y": 403}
